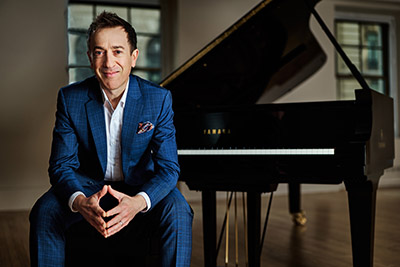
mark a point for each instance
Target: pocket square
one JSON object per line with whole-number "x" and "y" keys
{"x": 144, "y": 127}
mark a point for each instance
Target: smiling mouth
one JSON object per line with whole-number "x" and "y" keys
{"x": 110, "y": 74}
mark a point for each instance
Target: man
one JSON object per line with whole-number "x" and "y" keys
{"x": 113, "y": 138}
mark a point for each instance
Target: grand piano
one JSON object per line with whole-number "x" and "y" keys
{"x": 232, "y": 137}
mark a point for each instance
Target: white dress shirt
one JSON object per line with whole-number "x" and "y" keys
{"x": 113, "y": 121}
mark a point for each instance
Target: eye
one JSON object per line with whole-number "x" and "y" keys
{"x": 98, "y": 53}
{"x": 118, "y": 52}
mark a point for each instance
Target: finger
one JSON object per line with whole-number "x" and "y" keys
{"x": 98, "y": 223}
{"x": 102, "y": 192}
{"x": 118, "y": 195}
{"x": 101, "y": 230}
{"x": 115, "y": 228}
{"x": 114, "y": 211}
{"x": 98, "y": 210}
{"x": 117, "y": 219}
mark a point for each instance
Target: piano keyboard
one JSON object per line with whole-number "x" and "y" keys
{"x": 257, "y": 152}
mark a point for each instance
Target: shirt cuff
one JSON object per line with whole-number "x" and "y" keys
{"x": 72, "y": 199}
{"x": 148, "y": 202}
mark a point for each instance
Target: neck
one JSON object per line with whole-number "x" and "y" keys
{"x": 114, "y": 96}
{"x": 114, "y": 99}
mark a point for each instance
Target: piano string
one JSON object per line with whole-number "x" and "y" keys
{"x": 225, "y": 228}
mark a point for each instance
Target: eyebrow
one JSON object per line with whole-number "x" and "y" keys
{"x": 113, "y": 47}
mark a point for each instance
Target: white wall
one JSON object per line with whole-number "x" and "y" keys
{"x": 199, "y": 22}
{"x": 34, "y": 59}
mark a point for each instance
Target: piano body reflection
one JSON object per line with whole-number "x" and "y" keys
{"x": 232, "y": 138}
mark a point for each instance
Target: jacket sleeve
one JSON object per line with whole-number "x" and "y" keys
{"x": 165, "y": 156}
{"x": 64, "y": 153}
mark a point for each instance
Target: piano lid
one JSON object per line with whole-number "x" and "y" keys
{"x": 265, "y": 54}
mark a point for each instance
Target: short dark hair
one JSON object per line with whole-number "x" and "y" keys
{"x": 111, "y": 20}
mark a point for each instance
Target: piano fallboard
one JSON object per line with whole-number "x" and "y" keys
{"x": 289, "y": 125}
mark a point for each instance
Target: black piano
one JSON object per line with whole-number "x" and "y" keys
{"x": 231, "y": 137}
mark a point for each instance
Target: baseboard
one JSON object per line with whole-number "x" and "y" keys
{"x": 23, "y": 198}
{"x": 391, "y": 178}
{"x": 19, "y": 198}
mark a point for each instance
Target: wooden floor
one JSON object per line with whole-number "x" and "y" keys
{"x": 324, "y": 241}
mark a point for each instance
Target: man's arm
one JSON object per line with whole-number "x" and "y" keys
{"x": 165, "y": 156}
{"x": 64, "y": 153}
{"x": 62, "y": 170}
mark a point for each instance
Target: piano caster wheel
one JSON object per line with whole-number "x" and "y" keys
{"x": 299, "y": 218}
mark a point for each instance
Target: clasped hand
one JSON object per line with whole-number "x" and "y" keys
{"x": 123, "y": 213}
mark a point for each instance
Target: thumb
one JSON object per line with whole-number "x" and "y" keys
{"x": 118, "y": 195}
{"x": 102, "y": 192}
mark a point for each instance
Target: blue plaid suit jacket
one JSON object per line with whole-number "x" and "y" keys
{"x": 79, "y": 151}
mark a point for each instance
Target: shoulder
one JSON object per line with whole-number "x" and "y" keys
{"x": 79, "y": 90}
{"x": 148, "y": 88}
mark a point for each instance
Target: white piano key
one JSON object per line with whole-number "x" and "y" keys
{"x": 258, "y": 152}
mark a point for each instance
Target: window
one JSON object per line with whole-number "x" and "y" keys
{"x": 145, "y": 20}
{"x": 366, "y": 44}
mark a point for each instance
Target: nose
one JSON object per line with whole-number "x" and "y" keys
{"x": 108, "y": 60}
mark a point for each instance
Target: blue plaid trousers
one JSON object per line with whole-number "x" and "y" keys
{"x": 50, "y": 220}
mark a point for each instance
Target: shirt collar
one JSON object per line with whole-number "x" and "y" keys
{"x": 121, "y": 101}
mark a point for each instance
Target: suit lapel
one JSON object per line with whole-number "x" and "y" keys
{"x": 132, "y": 114}
{"x": 95, "y": 115}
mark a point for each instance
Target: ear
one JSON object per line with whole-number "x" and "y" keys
{"x": 134, "y": 57}
{"x": 89, "y": 55}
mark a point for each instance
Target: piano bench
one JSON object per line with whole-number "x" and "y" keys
{"x": 86, "y": 247}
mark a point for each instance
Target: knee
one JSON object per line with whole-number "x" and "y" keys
{"x": 175, "y": 207}
{"x": 46, "y": 211}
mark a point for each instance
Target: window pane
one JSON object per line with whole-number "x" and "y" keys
{"x": 154, "y": 76}
{"x": 149, "y": 52}
{"x": 347, "y": 87}
{"x": 120, "y": 11}
{"x": 372, "y": 62}
{"x": 371, "y": 35}
{"x": 377, "y": 85}
{"x": 367, "y": 55}
{"x": 80, "y": 16}
{"x": 146, "y": 20}
{"x": 78, "y": 74}
{"x": 348, "y": 33}
{"x": 77, "y": 49}
{"x": 354, "y": 56}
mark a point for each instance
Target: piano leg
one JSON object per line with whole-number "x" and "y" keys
{"x": 298, "y": 216}
{"x": 294, "y": 198}
{"x": 254, "y": 227}
{"x": 362, "y": 197}
{"x": 209, "y": 227}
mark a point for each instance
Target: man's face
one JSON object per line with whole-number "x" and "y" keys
{"x": 111, "y": 58}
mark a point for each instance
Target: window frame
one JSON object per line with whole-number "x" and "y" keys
{"x": 385, "y": 76}
{"x": 392, "y": 50}
{"x": 129, "y": 6}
